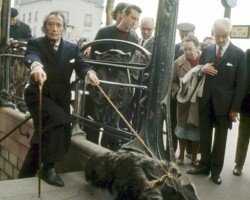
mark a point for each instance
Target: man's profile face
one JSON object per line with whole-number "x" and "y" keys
{"x": 131, "y": 20}
{"x": 54, "y": 28}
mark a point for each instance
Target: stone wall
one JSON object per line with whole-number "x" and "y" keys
{"x": 14, "y": 148}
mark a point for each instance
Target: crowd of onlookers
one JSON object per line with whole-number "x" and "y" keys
{"x": 210, "y": 91}
{"x": 210, "y": 88}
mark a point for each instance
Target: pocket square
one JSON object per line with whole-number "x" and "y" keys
{"x": 72, "y": 60}
{"x": 229, "y": 64}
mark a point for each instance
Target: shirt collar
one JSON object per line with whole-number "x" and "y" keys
{"x": 146, "y": 40}
{"x": 224, "y": 48}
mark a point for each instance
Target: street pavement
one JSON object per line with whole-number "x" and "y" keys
{"x": 232, "y": 187}
{"x": 76, "y": 187}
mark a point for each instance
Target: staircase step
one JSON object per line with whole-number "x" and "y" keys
{"x": 75, "y": 188}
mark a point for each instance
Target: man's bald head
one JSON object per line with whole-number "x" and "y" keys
{"x": 147, "y": 27}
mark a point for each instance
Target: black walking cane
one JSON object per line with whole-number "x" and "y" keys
{"x": 40, "y": 137}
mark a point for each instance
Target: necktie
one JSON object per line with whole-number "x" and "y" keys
{"x": 219, "y": 53}
{"x": 55, "y": 47}
{"x": 142, "y": 42}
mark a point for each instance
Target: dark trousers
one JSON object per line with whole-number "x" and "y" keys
{"x": 243, "y": 139}
{"x": 30, "y": 164}
{"x": 55, "y": 145}
{"x": 173, "y": 105}
{"x": 213, "y": 148}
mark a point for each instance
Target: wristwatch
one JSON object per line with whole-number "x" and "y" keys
{"x": 229, "y": 3}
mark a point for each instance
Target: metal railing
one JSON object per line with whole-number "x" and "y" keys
{"x": 15, "y": 76}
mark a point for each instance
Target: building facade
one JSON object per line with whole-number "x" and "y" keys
{"x": 84, "y": 17}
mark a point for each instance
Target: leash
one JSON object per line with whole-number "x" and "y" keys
{"x": 136, "y": 134}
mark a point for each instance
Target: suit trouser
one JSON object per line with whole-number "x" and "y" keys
{"x": 243, "y": 139}
{"x": 55, "y": 145}
{"x": 173, "y": 105}
{"x": 213, "y": 148}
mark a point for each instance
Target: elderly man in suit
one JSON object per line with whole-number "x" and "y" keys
{"x": 224, "y": 89}
{"x": 51, "y": 61}
{"x": 147, "y": 29}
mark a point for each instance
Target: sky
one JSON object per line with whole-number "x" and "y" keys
{"x": 202, "y": 13}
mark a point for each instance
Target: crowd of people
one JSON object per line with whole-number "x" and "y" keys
{"x": 218, "y": 85}
{"x": 215, "y": 98}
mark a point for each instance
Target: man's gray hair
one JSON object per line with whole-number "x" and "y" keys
{"x": 224, "y": 24}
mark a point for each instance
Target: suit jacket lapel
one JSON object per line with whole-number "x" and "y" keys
{"x": 227, "y": 52}
{"x": 65, "y": 53}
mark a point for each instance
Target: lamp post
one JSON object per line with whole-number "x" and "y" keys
{"x": 160, "y": 81}
{"x": 228, "y": 4}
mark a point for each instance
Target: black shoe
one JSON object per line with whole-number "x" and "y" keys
{"x": 216, "y": 179}
{"x": 197, "y": 171}
{"x": 237, "y": 171}
{"x": 51, "y": 177}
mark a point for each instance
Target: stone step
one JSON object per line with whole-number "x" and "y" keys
{"x": 76, "y": 188}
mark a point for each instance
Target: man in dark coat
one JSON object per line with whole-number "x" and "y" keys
{"x": 185, "y": 29}
{"x": 121, "y": 31}
{"x": 51, "y": 61}
{"x": 147, "y": 28}
{"x": 18, "y": 30}
{"x": 224, "y": 89}
{"x": 244, "y": 127}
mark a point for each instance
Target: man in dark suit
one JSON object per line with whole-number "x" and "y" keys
{"x": 185, "y": 29}
{"x": 147, "y": 42}
{"x": 244, "y": 127}
{"x": 223, "y": 92}
{"x": 147, "y": 29}
{"x": 51, "y": 61}
{"x": 18, "y": 30}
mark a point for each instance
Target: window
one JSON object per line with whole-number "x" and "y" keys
{"x": 34, "y": 32}
{"x": 36, "y": 16}
{"x": 88, "y": 20}
{"x": 23, "y": 18}
{"x": 29, "y": 19}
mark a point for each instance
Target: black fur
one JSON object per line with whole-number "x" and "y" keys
{"x": 132, "y": 176}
